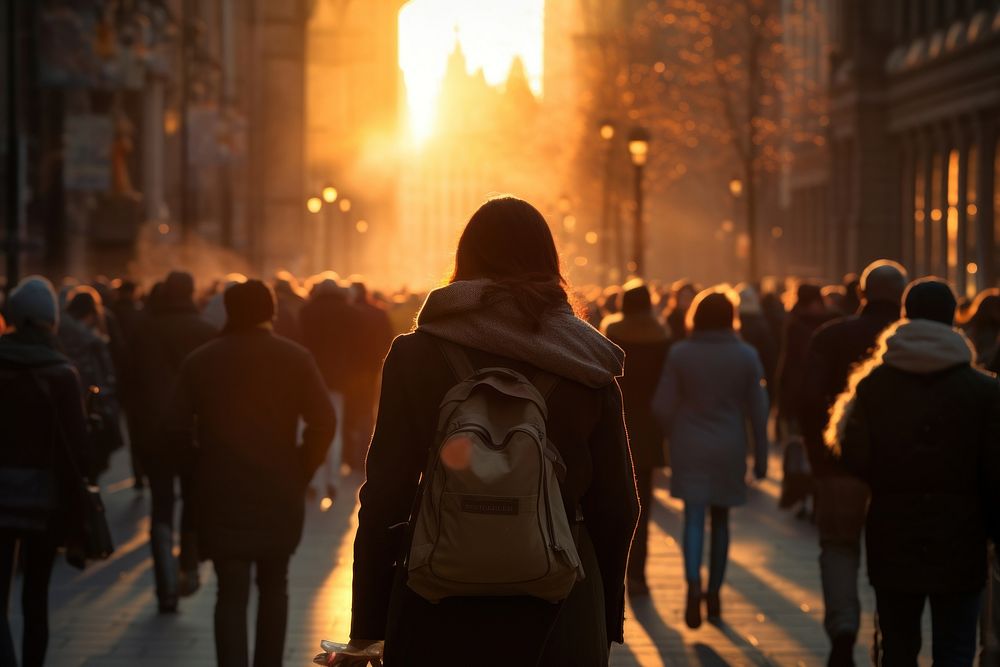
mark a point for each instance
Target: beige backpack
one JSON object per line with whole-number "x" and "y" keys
{"x": 491, "y": 520}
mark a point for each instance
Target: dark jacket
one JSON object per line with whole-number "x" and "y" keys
{"x": 832, "y": 351}
{"x": 246, "y": 392}
{"x": 332, "y": 329}
{"x": 163, "y": 339}
{"x": 926, "y": 438}
{"x": 42, "y": 431}
{"x": 587, "y": 427}
{"x": 799, "y": 328}
{"x": 646, "y": 343}
{"x": 755, "y": 330}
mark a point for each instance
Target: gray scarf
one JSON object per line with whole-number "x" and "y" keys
{"x": 564, "y": 345}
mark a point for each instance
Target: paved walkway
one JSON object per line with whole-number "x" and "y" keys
{"x": 106, "y": 616}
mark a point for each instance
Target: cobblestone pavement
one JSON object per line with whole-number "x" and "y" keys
{"x": 772, "y": 605}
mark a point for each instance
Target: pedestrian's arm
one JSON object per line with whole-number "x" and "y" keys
{"x": 177, "y": 424}
{"x": 395, "y": 461}
{"x": 990, "y": 466}
{"x": 320, "y": 419}
{"x": 611, "y": 506}
{"x": 757, "y": 408}
{"x": 667, "y": 394}
{"x": 855, "y": 435}
{"x": 814, "y": 397}
{"x": 70, "y": 401}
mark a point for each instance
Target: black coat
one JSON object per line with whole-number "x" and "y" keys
{"x": 929, "y": 447}
{"x": 799, "y": 328}
{"x": 161, "y": 342}
{"x": 755, "y": 330}
{"x": 333, "y": 330}
{"x": 587, "y": 427}
{"x": 832, "y": 351}
{"x": 246, "y": 392}
{"x": 645, "y": 343}
{"x": 42, "y": 431}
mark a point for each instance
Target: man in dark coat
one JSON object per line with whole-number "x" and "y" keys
{"x": 808, "y": 314}
{"x": 840, "y": 498}
{"x": 332, "y": 330}
{"x": 240, "y": 398}
{"x": 921, "y": 425}
{"x": 359, "y": 403}
{"x": 645, "y": 342}
{"x": 164, "y": 336}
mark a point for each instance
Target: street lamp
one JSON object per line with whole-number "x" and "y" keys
{"x": 606, "y": 129}
{"x": 638, "y": 148}
{"x": 345, "y": 234}
{"x": 314, "y": 204}
{"x": 329, "y": 194}
{"x": 736, "y": 187}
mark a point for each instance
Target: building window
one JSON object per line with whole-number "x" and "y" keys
{"x": 951, "y": 218}
{"x": 937, "y": 215}
{"x": 919, "y": 221}
{"x": 972, "y": 250}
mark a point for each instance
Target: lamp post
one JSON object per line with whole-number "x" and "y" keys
{"x": 736, "y": 190}
{"x": 315, "y": 206}
{"x": 638, "y": 148}
{"x": 607, "y": 131}
{"x": 345, "y": 235}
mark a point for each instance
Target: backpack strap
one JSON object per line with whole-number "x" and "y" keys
{"x": 457, "y": 359}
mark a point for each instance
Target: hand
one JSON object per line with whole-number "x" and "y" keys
{"x": 342, "y": 660}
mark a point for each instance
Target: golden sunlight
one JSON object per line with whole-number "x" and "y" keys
{"x": 491, "y": 33}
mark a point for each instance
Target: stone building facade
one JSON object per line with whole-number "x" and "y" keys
{"x": 910, "y": 165}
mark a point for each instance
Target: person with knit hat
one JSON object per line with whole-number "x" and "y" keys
{"x": 921, "y": 426}
{"x": 164, "y": 336}
{"x": 41, "y": 409}
{"x": 240, "y": 397}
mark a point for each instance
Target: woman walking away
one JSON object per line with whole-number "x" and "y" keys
{"x": 41, "y": 409}
{"x": 921, "y": 425}
{"x": 545, "y": 388}
{"x": 710, "y": 390}
{"x": 645, "y": 341}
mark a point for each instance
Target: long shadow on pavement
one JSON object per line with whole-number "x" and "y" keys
{"x": 762, "y": 595}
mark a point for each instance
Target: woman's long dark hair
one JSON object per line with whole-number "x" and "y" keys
{"x": 508, "y": 241}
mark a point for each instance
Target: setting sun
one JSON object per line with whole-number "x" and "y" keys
{"x": 491, "y": 33}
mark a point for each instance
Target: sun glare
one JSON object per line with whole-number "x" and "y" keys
{"x": 491, "y": 32}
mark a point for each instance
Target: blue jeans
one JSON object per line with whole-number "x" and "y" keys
{"x": 694, "y": 540}
{"x": 954, "y": 621}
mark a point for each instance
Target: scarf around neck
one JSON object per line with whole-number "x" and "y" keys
{"x": 563, "y": 345}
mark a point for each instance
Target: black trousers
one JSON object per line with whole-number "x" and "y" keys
{"x": 163, "y": 473}
{"x": 640, "y": 544}
{"x": 37, "y": 554}
{"x": 954, "y": 621}
{"x": 231, "y": 611}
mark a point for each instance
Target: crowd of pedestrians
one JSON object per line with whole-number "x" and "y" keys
{"x": 242, "y": 401}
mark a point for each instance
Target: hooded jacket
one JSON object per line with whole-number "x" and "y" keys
{"x": 42, "y": 431}
{"x": 586, "y": 425}
{"x": 922, "y": 427}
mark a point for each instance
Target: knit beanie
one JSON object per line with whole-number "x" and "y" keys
{"x": 33, "y": 301}
{"x": 248, "y": 304}
{"x": 930, "y": 299}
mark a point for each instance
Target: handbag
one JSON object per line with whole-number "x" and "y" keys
{"x": 90, "y": 538}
